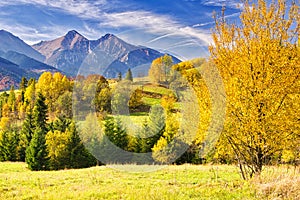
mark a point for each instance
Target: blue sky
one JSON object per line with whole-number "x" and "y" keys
{"x": 180, "y": 27}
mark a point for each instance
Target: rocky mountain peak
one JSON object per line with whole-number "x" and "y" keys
{"x": 72, "y": 34}
{"x": 71, "y": 38}
{"x": 108, "y": 36}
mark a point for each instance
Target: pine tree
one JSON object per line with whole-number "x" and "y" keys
{"x": 144, "y": 143}
{"x": 40, "y": 113}
{"x": 119, "y": 76}
{"x": 128, "y": 75}
{"x": 60, "y": 124}
{"x": 26, "y": 134}
{"x": 121, "y": 138}
{"x": 9, "y": 145}
{"x": 23, "y": 86}
{"x": 117, "y": 135}
{"x": 154, "y": 129}
{"x": 37, "y": 154}
{"x": 78, "y": 155}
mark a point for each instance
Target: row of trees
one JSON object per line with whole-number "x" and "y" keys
{"x": 38, "y": 128}
{"x": 27, "y": 133}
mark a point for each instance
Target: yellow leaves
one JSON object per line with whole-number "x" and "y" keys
{"x": 168, "y": 102}
{"x": 52, "y": 86}
{"x": 56, "y": 143}
{"x": 160, "y": 69}
{"x": 5, "y": 110}
{"x": 4, "y": 123}
{"x": 260, "y": 69}
{"x": 161, "y": 143}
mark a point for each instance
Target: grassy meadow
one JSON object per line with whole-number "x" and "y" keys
{"x": 171, "y": 182}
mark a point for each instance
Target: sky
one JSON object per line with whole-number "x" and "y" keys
{"x": 180, "y": 27}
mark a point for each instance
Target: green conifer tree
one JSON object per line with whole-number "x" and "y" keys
{"x": 128, "y": 75}
{"x": 78, "y": 155}
{"x": 23, "y": 86}
{"x": 8, "y": 145}
{"x": 40, "y": 113}
{"x": 37, "y": 154}
{"x": 119, "y": 76}
{"x": 26, "y": 134}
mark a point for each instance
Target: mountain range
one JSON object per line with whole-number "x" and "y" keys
{"x": 72, "y": 54}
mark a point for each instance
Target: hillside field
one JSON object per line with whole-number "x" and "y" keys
{"x": 172, "y": 182}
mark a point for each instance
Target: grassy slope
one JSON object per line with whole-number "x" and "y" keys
{"x": 173, "y": 182}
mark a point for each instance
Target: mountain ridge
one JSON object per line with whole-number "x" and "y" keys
{"x": 109, "y": 55}
{"x": 10, "y": 42}
{"x": 27, "y": 63}
{"x": 72, "y": 54}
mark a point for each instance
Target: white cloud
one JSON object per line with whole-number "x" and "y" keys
{"x": 160, "y": 37}
{"x": 33, "y": 35}
{"x": 138, "y": 19}
{"x": 226, "y": 3}
{"x": 82, "y": 8}
{"x": 203, "y": 24}
{"x": 153, "y": 23}
{"x": 150, "y": 22}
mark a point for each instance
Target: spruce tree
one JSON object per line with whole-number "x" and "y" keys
{"x": 26, "y": 134}
{"x": 119, "y": 76}
{"x": 37, "y": 154}
{"x": 121, "y": 138}
{"x": 116, "y": 135}
{"x": 9, "y": 140}
{"x": 156, "y": 125}
{"x": 129, "y": 76}
{"x": 60, "y": 124}
{"x": 40, "y": 113}
{"x": 79, "y": 157}
{"x": 23, "y": 86}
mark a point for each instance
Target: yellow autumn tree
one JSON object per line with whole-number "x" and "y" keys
{"x": 52, "y": 87}
{"x": 259, "y": 63}
{"x": 44, "y": 86}
{"x": 195, "y": 83}
{"x": 160, "y": 70}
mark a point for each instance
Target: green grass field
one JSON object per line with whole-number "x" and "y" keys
{"x": 157, "y": 89}
{"x": 171, "y": 182}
